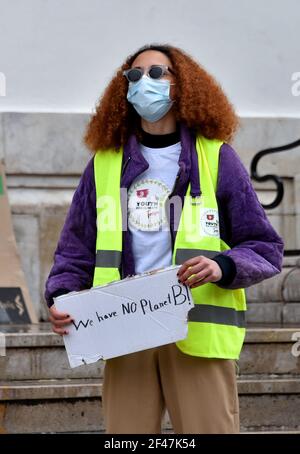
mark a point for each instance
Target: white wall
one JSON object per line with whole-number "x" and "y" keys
{"x": 57, "y": 55}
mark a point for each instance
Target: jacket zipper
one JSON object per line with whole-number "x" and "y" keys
{"x": 169, "y": 196}
{"x": 175, "y": 184}
{"x": 125, "y": 165}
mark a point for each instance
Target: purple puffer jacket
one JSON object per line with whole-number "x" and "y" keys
{"x": 256, "y": 249}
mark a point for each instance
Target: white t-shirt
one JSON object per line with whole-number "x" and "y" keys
{"x": 147, "y": 221}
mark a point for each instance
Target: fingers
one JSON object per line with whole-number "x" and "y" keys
{"x": 192, "y": 270}
{"x": 201, "y": 282}
{"x": 59, "y": 331}
{"x": 58, "y": 315}
{"x": 59, "y": 328}
{"x": 59, "y": 320}
{"x": 190, "y": 262}
{"x": 60, "y": 323}
{"x": 206, "y": 274}
{"x": 199, "y": 270}
{"x": 192, "y": 266}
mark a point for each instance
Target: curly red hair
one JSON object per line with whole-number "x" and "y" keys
{"x": 203, "y": 107}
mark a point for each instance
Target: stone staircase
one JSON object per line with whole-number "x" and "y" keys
{"x": 276, "y": 301}
{"x": 40, "y": 393}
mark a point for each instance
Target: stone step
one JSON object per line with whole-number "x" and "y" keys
{"x": 258, "y": 384}
{"x": 50, "y": 389}
{"x": 271, "y": 351}
{"x": 75, "y": 405}
{"x": 34, "y": 353}
{"x": 92, "y": 388}
{"x": 266, "y": 312}
{"x": 283, "y": 287}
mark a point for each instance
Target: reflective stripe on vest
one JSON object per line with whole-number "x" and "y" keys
{"x": 216, "y": 314}
{"x": 108, "y": 259}
{"x": 216, "y": 325}
{"x": 185, "y": 254}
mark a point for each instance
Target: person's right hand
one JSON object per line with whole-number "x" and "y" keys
{"x": 59, "y": 321}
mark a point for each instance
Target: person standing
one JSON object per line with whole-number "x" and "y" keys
{"x": 161, "y": 133}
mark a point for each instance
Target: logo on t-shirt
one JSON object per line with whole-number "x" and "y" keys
{"x": 146, "y": 204}
{"x": 142, "y": 192}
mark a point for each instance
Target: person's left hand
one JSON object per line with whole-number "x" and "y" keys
{"x": 202, "y": 270}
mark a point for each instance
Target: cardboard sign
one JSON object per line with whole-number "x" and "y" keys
{"x": 126, "y": 316}
{"x": 15, "y": 303}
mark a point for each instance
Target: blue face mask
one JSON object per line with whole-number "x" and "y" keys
{"x": 150, "y": 98}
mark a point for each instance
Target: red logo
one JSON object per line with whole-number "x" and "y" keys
{"x": 142, "y": 192}
{"x": 210, "y": 217}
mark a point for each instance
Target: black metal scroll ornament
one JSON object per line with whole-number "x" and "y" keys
{"x": 277, "y": 180}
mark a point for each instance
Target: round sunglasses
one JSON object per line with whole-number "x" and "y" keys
{"x": 154, "y": 71}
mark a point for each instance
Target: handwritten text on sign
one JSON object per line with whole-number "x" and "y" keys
{"x": 126, "y": 316}
{"x": 177, "y": 296}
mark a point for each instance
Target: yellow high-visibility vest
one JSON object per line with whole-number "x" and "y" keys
{"x": 216, "y": 326}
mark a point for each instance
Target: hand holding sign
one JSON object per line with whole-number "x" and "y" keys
{"x": 59, "y": 321}
{"x": 198, "y": 271}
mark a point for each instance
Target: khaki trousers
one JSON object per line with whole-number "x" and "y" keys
{"x": 200, "y": 394}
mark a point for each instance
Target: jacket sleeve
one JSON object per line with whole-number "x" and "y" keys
{"x": 74, "y": 257}
{"x": 256, "y": 248}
